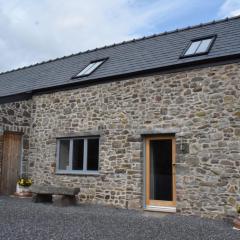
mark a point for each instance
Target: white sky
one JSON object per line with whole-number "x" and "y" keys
{"x": 33, "y": 31}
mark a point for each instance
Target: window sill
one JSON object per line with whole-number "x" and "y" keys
{"x": 78, "y": 173}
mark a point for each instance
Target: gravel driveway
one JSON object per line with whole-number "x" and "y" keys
{"x": 22, "y": 219}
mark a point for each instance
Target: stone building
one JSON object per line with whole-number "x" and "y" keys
{"x": 151, "y": 124}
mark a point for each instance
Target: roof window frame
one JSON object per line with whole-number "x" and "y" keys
{"x": 212, "y": 37}
{"x": 102, "y": 60}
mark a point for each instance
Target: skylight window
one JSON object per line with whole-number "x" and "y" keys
{"x": 92, "y": 66}
{"x": 199, "y": 46}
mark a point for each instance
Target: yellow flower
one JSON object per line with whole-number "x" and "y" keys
{"x": 25, "y": 182}
{"x": 238, "y": 209}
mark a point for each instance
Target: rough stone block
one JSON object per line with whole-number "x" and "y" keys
{"x": 42, "y": 189}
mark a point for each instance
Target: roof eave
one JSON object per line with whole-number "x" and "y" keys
{"x": 177, "y": 67}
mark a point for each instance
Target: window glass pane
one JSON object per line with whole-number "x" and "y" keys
{"x": 92, "y": 154}
{"x": 193, "y": 47}
{"x": 83, "y": 72}
{"x": 204, "y": 45}
{"x": 78, "y": 148}
{"x": 94, "y": 66}
{"x": 64, "y": 154}
{"x": 90, "y": 68}
{"x": 161, "y": 184}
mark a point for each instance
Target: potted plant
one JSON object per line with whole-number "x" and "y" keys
{"x": 236, "y": 222}
{"x": 23, "y": 187}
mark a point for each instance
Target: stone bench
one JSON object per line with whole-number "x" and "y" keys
{"x": 43, "y": 193}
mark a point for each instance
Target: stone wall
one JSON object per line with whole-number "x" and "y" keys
{"x": 1, "y": 154}
{"x": 16, "y": 117}
{"x": 204, "y": 104}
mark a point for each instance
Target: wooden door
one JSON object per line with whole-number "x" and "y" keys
{"x": 11, "y": 162}
{"x": 160, "y": 171}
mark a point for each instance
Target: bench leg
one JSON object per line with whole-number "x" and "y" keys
{"x": 64, "y": 201}
{"x": 42, "y": 198}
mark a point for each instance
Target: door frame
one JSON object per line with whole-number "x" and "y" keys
{"x": 158, "y": 203}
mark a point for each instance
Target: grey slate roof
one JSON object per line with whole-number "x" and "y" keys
{"x": 148, "y": 53}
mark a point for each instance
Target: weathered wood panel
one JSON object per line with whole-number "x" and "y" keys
{"x": 12, "y": 143}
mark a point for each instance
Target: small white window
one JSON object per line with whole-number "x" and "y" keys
{"x": 90, "y": 68}
{"x": 200, "y": 46}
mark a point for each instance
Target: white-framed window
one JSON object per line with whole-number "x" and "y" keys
{"x": 78, "y": 155}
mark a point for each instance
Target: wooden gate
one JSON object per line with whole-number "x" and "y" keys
{"x": 11, "y": 162}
